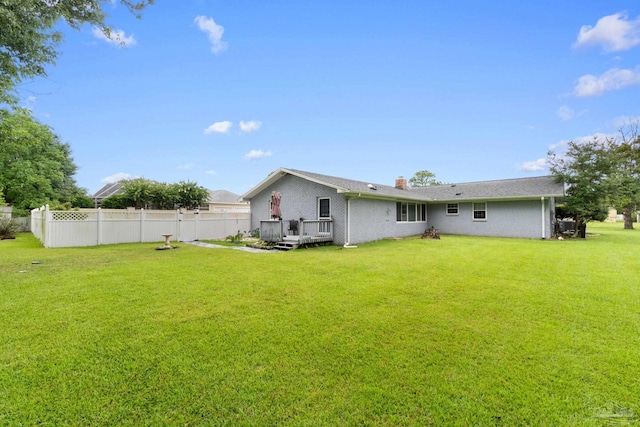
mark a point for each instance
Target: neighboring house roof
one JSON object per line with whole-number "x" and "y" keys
{"x": 108, "y": 190}
{"x": 223, "y": 196}
{"x": 520, "y": 188}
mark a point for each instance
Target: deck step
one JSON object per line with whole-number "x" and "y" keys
{"x": 286, "y": 246}
{"x": 288, "y": 243}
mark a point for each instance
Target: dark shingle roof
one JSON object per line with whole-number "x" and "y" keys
{"x": 519, "y": 188}
{"x": 108, "y": 190}
{"x": 370, "y": 189}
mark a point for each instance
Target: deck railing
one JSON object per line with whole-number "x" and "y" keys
{"x": 309, "y": 231}
{"x": 271, "y": 231}
{"x": 316, "y": 230}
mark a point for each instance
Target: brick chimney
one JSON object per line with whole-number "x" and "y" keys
{"x": 401, "y": 183}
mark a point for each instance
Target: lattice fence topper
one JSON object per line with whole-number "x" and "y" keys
{"x": 160, "y": 215}
{"x": 120, "y": 215}
{"x": 72, "y": 216}
{"x": 223, "y": 215}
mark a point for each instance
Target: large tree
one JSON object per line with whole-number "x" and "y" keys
{"x": 191, "y": 195}
{"x": 586, "y": 169}
{"x": 625, "y": 176}
{"x": 423, "y": 178}
{"x": 36, "y": 168}
{"x": 29, "y": 38}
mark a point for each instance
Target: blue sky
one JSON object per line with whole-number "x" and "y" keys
{"x": 225, "y": 92}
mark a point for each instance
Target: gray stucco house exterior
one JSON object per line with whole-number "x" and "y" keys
{"x": 361, "y": 212}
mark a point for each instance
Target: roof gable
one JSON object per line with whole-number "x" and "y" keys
{"x": 223, "y": 196}
{"x": 109, "y": 190}
{"x": 341, "y": 185}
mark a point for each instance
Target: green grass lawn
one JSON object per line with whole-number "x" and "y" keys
{"x": 459, "y": 331}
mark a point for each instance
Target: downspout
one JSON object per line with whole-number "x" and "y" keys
{"x": 348, "y": 230}
{"x": 544, "y": 234}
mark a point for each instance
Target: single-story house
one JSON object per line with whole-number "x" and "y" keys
{"x": 226, "y": 201}
{"x": 346, "y": 211}
{"x": 110, "y": 189}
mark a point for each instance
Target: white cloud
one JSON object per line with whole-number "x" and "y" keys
{"x": 211, "y": 172}
{"x": 616, "y": 78}
{"x": 250, "y": 126}
{"x": 623, "y": 121}
{"x": 257, "y": 154}
{"x": 565, "y": 113}
{"x": 186, "y": 166}
{"x": 214, "y": 32}
{"x": 614, "y": 33}
{"x": 219, "y": 127}
{"x": 534, "y": 166}
{"x": 30, "y": 102}
{"x": 115, "y": 37}
{"x": 117, "y": 177}
{"x": 561, "y": 146}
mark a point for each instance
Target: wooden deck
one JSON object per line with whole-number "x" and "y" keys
{"x": 311, "y": 233}
{"x": 295, "y": 242}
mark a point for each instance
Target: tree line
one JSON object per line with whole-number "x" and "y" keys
{"x": 147, "y": 194}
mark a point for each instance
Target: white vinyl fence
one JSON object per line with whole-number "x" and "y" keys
{"x": 91, "y": 227}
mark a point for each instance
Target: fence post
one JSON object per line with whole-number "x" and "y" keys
{"x": 47, "y": 223}
{"x": 197, "y": 214}
{"x": 178, "y": 219}
{"x": 32, "y": 220}
{"x": 142, "y": 219}
{"x": 99, "y": 224}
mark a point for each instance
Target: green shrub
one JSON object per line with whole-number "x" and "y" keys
{"x": 235, "y": 238}
{"x": 8, "y": 228}
{"x": 117, "y": 201}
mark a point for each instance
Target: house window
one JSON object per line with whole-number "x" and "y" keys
{"x": 324, "y": 208}
{"x": 479, "y": 211}
{"x": 452, "y": 209}
{"x": 411, "y": 212}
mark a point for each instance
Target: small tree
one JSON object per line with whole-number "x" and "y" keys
{"x": 423, "y": 178}
{"x": 139, "y": 191}
{"x": 164, "y": 196}
{"x": 191, "y": 195}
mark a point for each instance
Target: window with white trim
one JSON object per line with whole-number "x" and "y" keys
{"x": 453, "y": 209}
{"x": 479, "y": 211}
{"x": 411, "y": 212}
{"x": 324, "y": 208}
